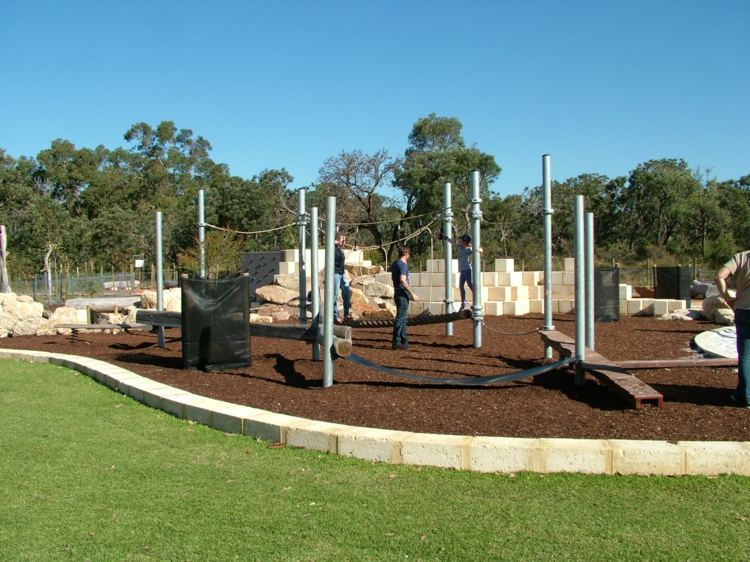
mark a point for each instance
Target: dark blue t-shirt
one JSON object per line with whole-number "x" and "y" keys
{"x": 399, "y": 268}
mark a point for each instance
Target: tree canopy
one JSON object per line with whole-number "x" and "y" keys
{"x": 94, "y": 206}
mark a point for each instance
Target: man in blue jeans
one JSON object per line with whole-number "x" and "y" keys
{"x": 739, "y": 268}
{"x": 402, "y": 294}
{"x": 340, "y": 282}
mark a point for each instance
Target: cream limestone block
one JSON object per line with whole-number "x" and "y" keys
{"x": 586, "y": 456}
{"x": 510, "y": 279}
{"x": 532, "y": 277}
{"x": 269, "y": 426}
{"x": 433, "y": 266}
{"x": 648, "y": 307}
{"x": 436, "y": 307}
{"x": 626, "y": 292}
{"x": 660, "y": 308}
{"x": 370, "y": 444}
{"x": 536, "y": 306}
{"x": 569, "y": 264}
{"x": 635, "y": 306}
{"x": 624, "y": 307}
{"x": 445, "y": 451}
{"x": 515, "y": 308}
{"x": 384, "y": 278}
{"x": 564, "y": 306}
{"x": 291, "y": 255}
{"x": 676, "y": 305}
{"x": 536, "y": 292}
{"x": 716, "y": 457}
{"x": 229, "y": 417}
{"x": 503, "y": 454}
{"x": 647, "y": 458}
{"x": 499, "y": 293}
{"x": 287, "y": 268}
{"x": 314, "y": 435}
{"x": 489, "y": 279}
{"x": 520, "y": 293}
{"x": 493, "y": 308}
{"x": 175, "y": 403}
{"x": 504, "y": 265}
{"x": 556, "y": 278}
{"x": 569, "y": 278}
{"x": 435, "y": 279}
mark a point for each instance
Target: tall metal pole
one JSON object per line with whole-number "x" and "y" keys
{"x": 328, "y": 299}
{"x": 159, "y": 276}
{"x": 4, "y": 282}
{"x": 448, "y": 247}
{"x": 476, "y": 258}
{"x": 580, "y": 305}
{"x": 589, "y": 237}
{"x": 314, "y": 273}
{"x": 547, "y": 214}
{"x": 302, "y": 225}
{"x": 202, "y": 234}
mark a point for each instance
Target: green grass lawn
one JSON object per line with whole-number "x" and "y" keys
{"x": 88, "y": 474}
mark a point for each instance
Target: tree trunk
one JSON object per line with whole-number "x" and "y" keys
{"x": 4, "y": 283}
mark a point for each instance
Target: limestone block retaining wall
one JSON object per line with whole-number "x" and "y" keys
{"x": 481, "y": 454}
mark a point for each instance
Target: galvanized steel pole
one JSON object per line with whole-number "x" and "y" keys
{"x": 328, "y": 300}
{"x": 547, "y": 222}
{"x": 159, "y": 276}
{"x": 476, "y": 259}
{"x": 448, "y": 246}
{"x": 590, "y": 337}
{"x": 314, "y": 272}
{"x": 580, "y": 304}
{"x": 202, "y": 234}
{"x": 302, "y": 225}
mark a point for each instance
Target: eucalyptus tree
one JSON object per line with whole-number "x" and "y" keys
{"x": 438, "y": 154}
{"x": 359, "y": 181}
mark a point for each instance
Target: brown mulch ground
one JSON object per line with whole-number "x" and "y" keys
{"x": 283, "y": 378}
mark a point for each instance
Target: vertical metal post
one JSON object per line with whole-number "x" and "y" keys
{"x": 547, "y": 218}
{"x": 476, "y": 259}
{"x": 580, "y": 304}
{"x": 589, "y": 237}
{"x": 448, "y": 247}
{"x": 4, "y": 282}
{"x": 202, "y": 234}
{"x": 302, "y": 225}
{"x": 159, "y": 276}
{"x": 328, "y": 299}
{"x": 314, "y": 276}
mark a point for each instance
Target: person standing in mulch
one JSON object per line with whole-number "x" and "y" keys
{"x": 739, "y": 268}
{"x": 465, "y": 276}
{"x": 402, "y": 294}
{"x": 340, "y": 282}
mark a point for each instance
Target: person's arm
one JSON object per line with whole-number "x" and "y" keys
{"x": 407, "y": 288}
{"x": 721, "y": 284}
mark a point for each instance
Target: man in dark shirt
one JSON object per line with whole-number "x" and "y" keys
{"x": 402, "y": 294}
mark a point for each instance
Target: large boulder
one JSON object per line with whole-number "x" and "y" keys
{"x": 715, "y": 309}
{"x": 376, "y": 289}
{"x": 276, "y": 294}
{"x": 172, "y": 299}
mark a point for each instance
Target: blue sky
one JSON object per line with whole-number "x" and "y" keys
{"x": 602, "y": 86}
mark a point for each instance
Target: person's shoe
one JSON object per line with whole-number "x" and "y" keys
{"x": 463, "y": 305}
